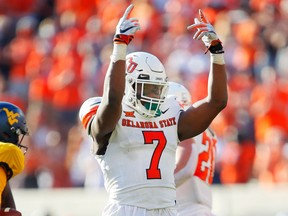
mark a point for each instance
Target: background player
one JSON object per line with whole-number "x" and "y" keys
{"x": 13, "y": 128}
{"x": 135, "y": 137}
{"x": 195, "y": 163}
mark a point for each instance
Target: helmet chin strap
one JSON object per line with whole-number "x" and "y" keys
{"x": 158, "y": 113}
{"x": 22, "y": 146}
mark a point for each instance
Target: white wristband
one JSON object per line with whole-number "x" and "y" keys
{"x": 217, "y": 58}
{"x": 119, "y": 52}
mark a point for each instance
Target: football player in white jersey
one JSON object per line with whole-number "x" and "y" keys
{"x": 195, "y": 163}
{"x": 136, "y": 129}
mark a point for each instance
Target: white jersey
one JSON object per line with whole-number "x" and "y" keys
{"x": 138, "y": 166}
{"x": 194, "y": 195}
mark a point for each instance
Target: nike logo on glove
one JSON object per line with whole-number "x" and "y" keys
{"x": 124, "y": 30}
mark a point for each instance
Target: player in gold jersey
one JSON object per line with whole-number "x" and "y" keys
{"x": 13, "y": 128}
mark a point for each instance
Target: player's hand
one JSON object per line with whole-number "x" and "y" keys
{"x": 126, "y": 27}
{"x": 206, "y": 32}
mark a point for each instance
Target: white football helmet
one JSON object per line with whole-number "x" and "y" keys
{"x": 181, "y": 94}
{"x": 87, "y": 112}
{"x": 146, "y": 83}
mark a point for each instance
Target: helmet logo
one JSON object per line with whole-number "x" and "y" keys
{"x": 11, "y": 116}
{"x": 131, "y": 65}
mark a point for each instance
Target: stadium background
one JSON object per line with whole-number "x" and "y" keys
{"x": 54, "y": 55}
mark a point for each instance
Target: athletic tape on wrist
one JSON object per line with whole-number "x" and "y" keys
{"x": 119, "y": 52}
{"x": 217, "y": 58}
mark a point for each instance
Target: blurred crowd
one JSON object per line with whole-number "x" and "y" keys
{"x": 54, "y": 55}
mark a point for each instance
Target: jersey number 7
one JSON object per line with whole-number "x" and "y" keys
{"x": 149, "y": 136}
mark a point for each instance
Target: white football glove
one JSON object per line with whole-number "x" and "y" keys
{"x": 206, "y": 32}
{"x": 126, "y": 28}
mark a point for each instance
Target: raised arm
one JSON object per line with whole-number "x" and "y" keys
{"x": 114, "y": 85}
{"x": 197, "y": 118}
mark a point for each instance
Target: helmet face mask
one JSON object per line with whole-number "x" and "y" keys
{"x": 12, "y": 124}
{"x": 150, "y": 96}
{"x": 146, "y": 83}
